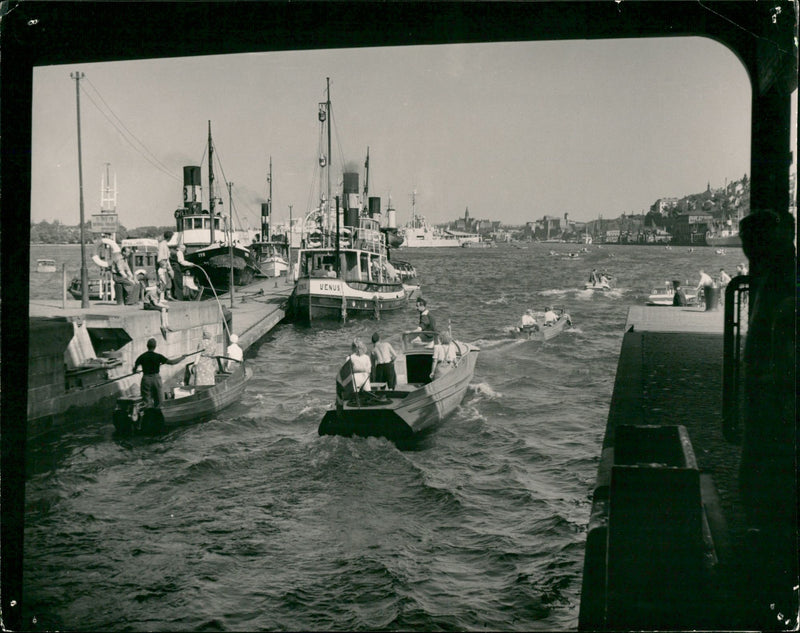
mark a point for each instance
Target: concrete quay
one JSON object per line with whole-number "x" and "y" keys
{"x": 666, "y": 526}
{"x": 80, "y": 360}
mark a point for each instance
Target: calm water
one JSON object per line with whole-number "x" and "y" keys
{"x": 252, "y": 521}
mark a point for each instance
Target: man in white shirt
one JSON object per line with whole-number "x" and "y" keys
{"x": 705, "y": 280}
{"x": 550, "y": 316}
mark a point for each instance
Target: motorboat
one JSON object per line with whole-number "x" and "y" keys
{"x": 664, "y": 295}
{"x": 415, "y": 405}
{"x": 184, "y": 404}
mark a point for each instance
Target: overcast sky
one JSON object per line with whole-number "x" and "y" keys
{"x": 513, "y": 131}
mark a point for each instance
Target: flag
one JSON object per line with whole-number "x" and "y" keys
{"x": 344, "y": 382}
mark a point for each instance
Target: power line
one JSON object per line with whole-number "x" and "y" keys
{"x": 152, "y": 159}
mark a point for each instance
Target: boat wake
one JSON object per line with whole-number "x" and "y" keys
{"x": 500, "y": 343}
{"x": 490, "y": 302}
{"x": 554, "y": 291}
{"x": 483, "y": 389}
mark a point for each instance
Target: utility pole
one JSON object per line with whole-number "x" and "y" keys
{"x": 77, "y": 76}
{"x": 230, "y": 236}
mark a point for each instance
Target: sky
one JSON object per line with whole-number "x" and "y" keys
{"x": 511, "y": 131}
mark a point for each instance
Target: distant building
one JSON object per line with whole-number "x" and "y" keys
{"x": 690, "y": 228}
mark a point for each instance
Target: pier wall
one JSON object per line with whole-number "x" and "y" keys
{"x": 79, "y": 364}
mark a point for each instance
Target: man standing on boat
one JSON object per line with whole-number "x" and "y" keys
{"x": 150, "y": 361}
{"x": 384, "y": 355}
{"x": 427, "y": 324}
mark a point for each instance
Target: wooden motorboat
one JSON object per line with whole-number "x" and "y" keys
{"x": 545, "y": 332}
{"x": 664, "y": 296}
{"x": 183, "y": 404}
{"x": 415, "y": 405}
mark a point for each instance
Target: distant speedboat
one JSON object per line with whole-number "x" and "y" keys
{"x": 415, "y": 405}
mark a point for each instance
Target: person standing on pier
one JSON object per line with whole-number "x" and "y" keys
{"x": 151, "y": 388}
{"x": 165, "y": 273}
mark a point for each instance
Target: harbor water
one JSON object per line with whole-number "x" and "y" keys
{"x": 251, "y": 521}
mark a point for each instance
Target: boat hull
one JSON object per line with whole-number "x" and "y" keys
{"x": 410, "y": 410}
{"x": 315, "y": 299}
{"x": 217, "y": 262}
{"x": 131, "y": 418}
{"x": 545, "y": 332}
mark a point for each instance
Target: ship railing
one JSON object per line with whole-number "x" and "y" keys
{"x": 735, "y": 326}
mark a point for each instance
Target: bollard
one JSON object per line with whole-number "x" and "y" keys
{"x": 711, "y": 294}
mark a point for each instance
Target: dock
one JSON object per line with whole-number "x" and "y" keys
{"x": 667, "y": 525}
{"x": 81, "y": 359}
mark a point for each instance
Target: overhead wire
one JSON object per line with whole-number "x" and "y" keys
{"x": 147, "y": 154}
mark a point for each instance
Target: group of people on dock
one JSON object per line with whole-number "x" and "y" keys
{"x": 721, "y": 282}
{"x": 154, "y": 289}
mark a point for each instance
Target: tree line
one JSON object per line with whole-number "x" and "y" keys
{"x": 55, "y": 232}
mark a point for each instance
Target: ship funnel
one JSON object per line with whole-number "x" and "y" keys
{"x": 391, "y": 218}
{"x": 192, "y": 187}
{"x": 374, "y": 206}
{"x": 350, "y": 190}
{"x": 265, "y": 235}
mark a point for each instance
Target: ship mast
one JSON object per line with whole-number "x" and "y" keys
{"x": 211, "y": 182}
{"x": 366, "y": 178}
{"x": 328, "y": 162}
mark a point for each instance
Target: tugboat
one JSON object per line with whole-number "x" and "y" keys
{"x": 210, "y": 244}
{"x": 342, "y": 268}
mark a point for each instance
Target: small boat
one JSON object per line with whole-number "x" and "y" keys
{"x": 45, "y": 265}
{"x": 183, "y": 404}
{"x": 547, "y": 331}
{"x": 663, "y": 296}
{"x": 601, "y": 285}
{"x": 95, "y": 287}
{"x": 416, "y": 403}
{"x": 272, "y": 258}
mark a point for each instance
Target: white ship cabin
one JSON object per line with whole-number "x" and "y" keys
{"x": 194, "y": 230}
{"x": 362, "y": 254}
